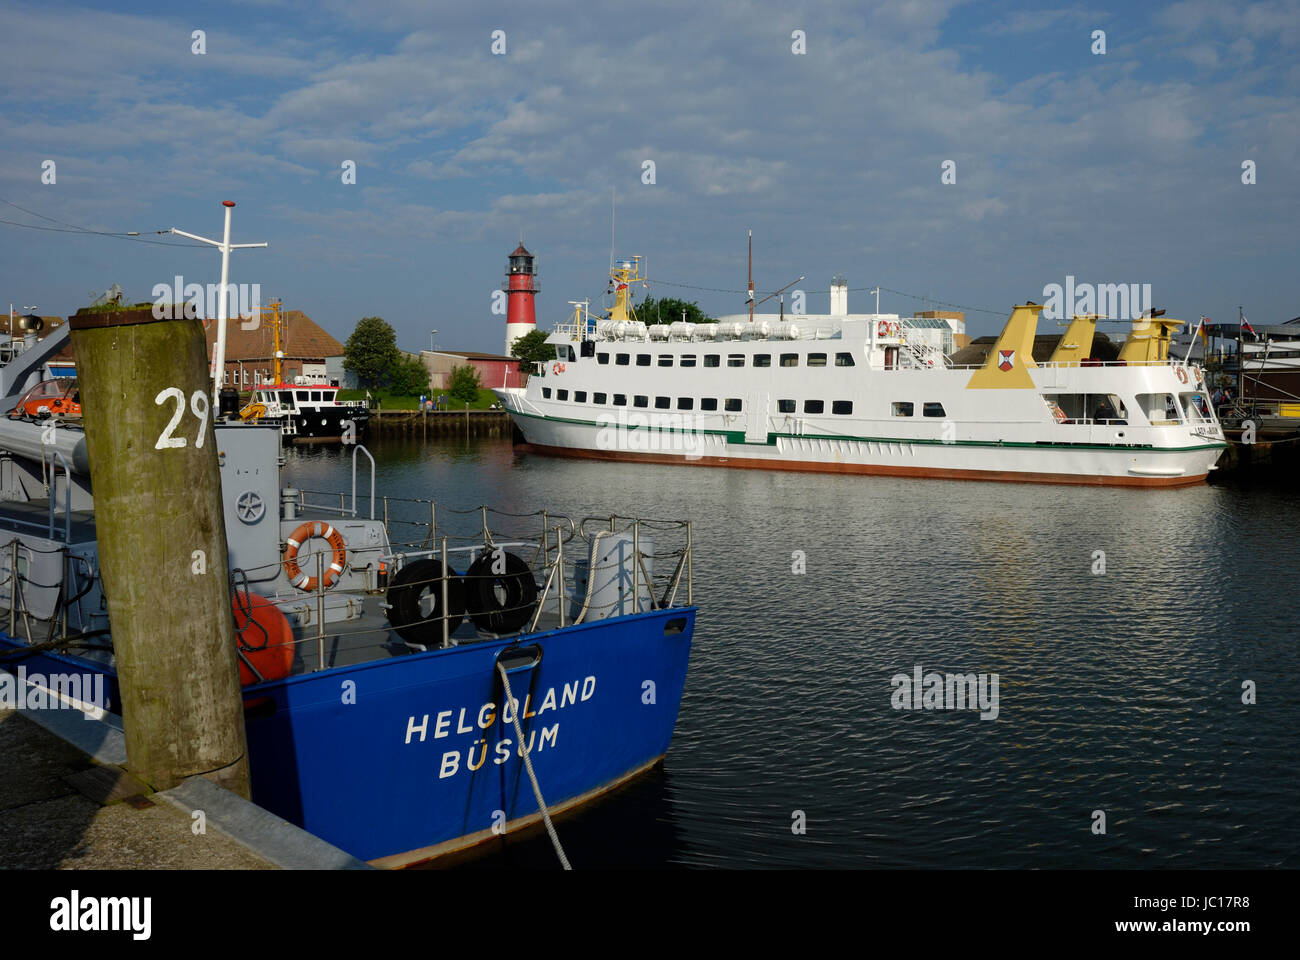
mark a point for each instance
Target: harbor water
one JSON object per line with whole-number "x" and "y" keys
{"x": 1126, "y": 629}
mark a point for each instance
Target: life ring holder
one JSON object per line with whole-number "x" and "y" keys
{"x": 1182, "y": 374}
{"x": 303, "y": 533}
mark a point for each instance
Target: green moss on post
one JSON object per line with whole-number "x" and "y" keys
{"x": 162, "y": 544}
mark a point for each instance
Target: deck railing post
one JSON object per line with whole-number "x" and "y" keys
{"x": 320, "y": 609}
{"x": 559, "y": 562}
{"x": 13, "y": 587}
{"x": 445, "y": 632}
{"x": 690, "y": 557}
{"x": 636, "y": 566}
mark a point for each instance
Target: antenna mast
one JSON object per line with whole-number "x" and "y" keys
{"x": 750, "y": 273}
{"x": 225, "y": 246}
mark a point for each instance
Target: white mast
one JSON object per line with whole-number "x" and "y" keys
{"x": 219, "y": 364}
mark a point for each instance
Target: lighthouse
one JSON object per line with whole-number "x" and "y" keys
{"x": 520, "y": 288}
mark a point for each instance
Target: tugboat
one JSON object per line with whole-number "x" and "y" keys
{"x": 491, "y": 650}
{"x": 307, "y": 409}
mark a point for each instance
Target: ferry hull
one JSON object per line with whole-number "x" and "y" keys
{"x": 1066, "y": 463}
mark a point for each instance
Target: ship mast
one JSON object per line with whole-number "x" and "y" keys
{"x": 275, "y": 324}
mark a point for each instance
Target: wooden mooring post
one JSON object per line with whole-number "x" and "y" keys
{"x": 162, "y": 544}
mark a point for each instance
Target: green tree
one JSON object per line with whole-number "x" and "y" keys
{"x": 530, "y": 348}
{"x": 464, "y": 384}
{"x": 371, "y": 351}
{"x": 669, "y": 310}
{"x": 408, "y": 376}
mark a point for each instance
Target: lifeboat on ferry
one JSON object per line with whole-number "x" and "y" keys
{"x": 59, "y": 397}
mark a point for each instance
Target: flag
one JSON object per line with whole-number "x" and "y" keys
{"x": 1205, "y": 335}
{"x": 1245, "y": 324}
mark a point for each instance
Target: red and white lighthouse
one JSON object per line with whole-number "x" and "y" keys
{"x": 520, "y": 287}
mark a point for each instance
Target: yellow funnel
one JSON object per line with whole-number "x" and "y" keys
{"x": 1008, "y": 363}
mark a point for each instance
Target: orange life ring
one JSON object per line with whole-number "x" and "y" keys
{"x": 1182, "y": 374}
{"x": 882, "y": 329}
{"x": 557, "y": 367}
{"x": 895, "y": 328}
{"x": 296, "y": 539}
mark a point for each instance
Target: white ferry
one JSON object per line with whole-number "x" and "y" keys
{"x": 844, "y": 394}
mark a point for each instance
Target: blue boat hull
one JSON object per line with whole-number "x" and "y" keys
{"x": 405, "y": 759}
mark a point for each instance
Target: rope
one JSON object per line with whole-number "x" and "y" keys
{"x": 528, "y": 764}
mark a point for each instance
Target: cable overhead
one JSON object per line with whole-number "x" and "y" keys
{"x": 66, "y": 227}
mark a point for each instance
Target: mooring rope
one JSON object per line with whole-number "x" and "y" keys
{"x": 528, "y": 765}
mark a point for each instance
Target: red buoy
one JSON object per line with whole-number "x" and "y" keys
{"x": 270, "y": 652}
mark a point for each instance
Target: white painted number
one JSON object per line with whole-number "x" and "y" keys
{"x": 166, "y": 439}
{"x": 198, "y": 405}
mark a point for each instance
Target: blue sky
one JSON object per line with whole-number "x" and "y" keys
{"x": 1117, "y": 168}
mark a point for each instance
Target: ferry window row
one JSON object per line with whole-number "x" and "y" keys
{"x": 842, "y": 408}
{"x": 906, "y": 408}
{"x": 733, "y": 359}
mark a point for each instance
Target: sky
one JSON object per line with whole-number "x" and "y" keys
{"x": 1122, "y": 166}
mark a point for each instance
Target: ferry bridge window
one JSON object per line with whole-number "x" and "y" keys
{"x": 814, "y": 406}
{"x": 665, "y": 359}
{"x": 286, "y": 397}
{"x": 546, "y": 393}
{"x": 640, "y": 401}
{"x": 902, "y": 408}
{"x": 785, "y": 406}
{"x": 685, "y": 403}
{"x": 643, "y": 359}
{"x": 315, "y": 395}
{"x": 621, "y": 360}
{"x": 620, "y": 399}
{"x": 816, "y": 359}
{"x": 843, "y": 359}
{"x": 762, "y": 359}
{"x": 932, "y": 410}
{"x": 579, "y": 396}
{"x": 708, "y": 403}
{"x": 842, "y": 407}
{"x": 735, "y": 359}
{"x": 598, "y": 398}
{"x": 303, "y": 394}
{"x": 662, "y": 403}
{"x": 687, "y": 360}
{"x": 789, "y": 359}
{"x": 732, "y": 405}
{"x": 602, "y": 358}
{"x": 561, "y": 394}
{"x": 712, "y": 360}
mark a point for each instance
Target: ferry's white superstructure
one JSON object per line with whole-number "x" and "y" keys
{"x": 851, "y": 395}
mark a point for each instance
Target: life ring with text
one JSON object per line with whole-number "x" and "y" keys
{"x": 304, "y": 533}
{"x": 1182, "y": 375}
{"x": 557, "y": 367}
